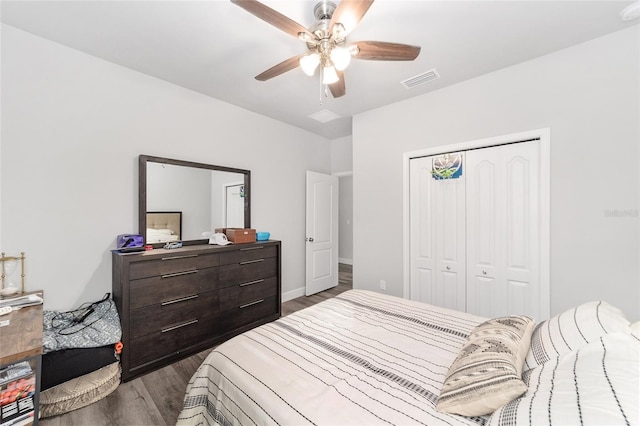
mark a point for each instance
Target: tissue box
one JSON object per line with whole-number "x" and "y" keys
{"x": 240, "y": 235}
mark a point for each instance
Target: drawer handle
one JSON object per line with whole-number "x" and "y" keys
{"x": 252, "y": 303}
{"x": 251, "y": 282}
{"x": 177, "y": 274}
{"x": 180, "y": 257}
{"x": 251, "y": 248}
{"x": 251, "y": 261}
{"x": 182, "y": 299}
{"x": 164, "y": 330}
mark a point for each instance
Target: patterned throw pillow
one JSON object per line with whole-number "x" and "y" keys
{"x": 595, "y": 385}
{"x": 573, "y": 329}
{"x": 487, "y": 372}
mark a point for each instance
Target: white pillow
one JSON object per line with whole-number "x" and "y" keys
{"x": 159, "y": 231}
{"x": 487, "y": 372}
{"x": 572, "y": 330}
{"x": 595, "y": 385}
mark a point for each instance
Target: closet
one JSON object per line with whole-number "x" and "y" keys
{"x": 475, "y": 230}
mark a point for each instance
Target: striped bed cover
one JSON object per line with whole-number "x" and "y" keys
{"x": 360, "y": 358}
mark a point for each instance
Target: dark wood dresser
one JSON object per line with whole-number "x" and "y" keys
{"x": 174, "y": 303}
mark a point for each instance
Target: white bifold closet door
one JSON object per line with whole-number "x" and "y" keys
{"x": 474, "y": 239}
{"x": 437, "y": 221}
{"x": 503, "y": 250}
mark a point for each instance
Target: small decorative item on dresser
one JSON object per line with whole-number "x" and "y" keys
{"x": 240, "y": 235}
{"x": 9, "y": 266}
{"x": 262, "y": 236}
{"x": 130, "y": 243}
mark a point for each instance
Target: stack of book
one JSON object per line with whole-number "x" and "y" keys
{"x": 17, "y": 388}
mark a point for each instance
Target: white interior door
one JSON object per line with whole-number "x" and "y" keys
{"x": 437, "y": 221}
{"x": 322, "y": 233}
{"x": 234, "y": 203}
{"x": 503, "y": 217}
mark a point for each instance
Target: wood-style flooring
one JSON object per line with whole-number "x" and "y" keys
{"x": 156, "y": 398}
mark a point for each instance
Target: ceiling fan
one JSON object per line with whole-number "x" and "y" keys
{"x": 326, "y": 41}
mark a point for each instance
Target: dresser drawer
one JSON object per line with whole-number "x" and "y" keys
{"x": 165, "y": 288}
{"x": 247, "y": 254}
{"x": 171, "y": 340}
{"x": 238, "y": 295}
{"x": 171, "y": 264}
{"x": 248, "y": 313}
{"x": 252, "y": 270}
{"x": 154, "y": 318}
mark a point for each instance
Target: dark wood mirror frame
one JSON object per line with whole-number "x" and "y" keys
{"x": 142, "y": 191}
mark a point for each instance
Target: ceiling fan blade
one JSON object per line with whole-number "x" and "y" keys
{"x": 338, "y": 89}
{"x": 273, "y": 17}
{"x": 281, "y": 68}
{"x": 349, "y": 13}
{"x": 384, "y": 51}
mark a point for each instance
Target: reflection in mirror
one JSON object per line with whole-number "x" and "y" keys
{"x": 181, "y": 200}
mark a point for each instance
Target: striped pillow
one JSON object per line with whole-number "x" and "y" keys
{"x": 572, "y": 330}
{"x": 595, "y": 385}
{"x": 487, "y": 372}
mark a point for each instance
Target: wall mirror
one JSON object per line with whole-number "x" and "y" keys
{"x": 179, "y": 200}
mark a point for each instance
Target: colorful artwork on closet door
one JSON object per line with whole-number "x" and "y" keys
{"x": 447, "y": 166}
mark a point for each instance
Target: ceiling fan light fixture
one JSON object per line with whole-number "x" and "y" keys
{"x": 341, "y": 57}
{"x": 338, "y": 31}
{"x": 631, "y": 12}
{"x": 329, "y": 75}
{"x": 309, "y": 63}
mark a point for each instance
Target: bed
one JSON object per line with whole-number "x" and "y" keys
{"x": 365, "y": 358}
{"x": 163, "y": 227}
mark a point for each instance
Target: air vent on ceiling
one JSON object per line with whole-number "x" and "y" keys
{"x": 324, "y": 116}
{"x": 419, "y": 79}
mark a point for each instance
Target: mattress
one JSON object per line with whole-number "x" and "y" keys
{"x": 358, "y": 358}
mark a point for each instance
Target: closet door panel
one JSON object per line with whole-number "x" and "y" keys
{"x": 522, "y": 207}
{"x": 519, "y": 297}
{"x": 450, "y": 242}
{"x": 487, "y": 297}
{"x": 437, "y": 211}
{"x": 522, "y": 226}
{"x": 484, "y": 217}
{"x": 422, "y": 214}
{"x": 502, "y": 230}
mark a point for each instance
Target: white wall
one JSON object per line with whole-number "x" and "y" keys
{"x": 341, "y": 163}
{"x": 345, "y": 219}
{"x": 342, "y": 155}
{"x": 589, "y": 97}
{"x": 72, "y": 129}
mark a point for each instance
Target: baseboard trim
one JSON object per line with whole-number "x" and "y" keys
{"x": 345, "y": 261}
{"x": 293, "y": 294}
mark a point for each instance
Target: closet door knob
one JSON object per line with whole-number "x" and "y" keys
{"x": 484, "y": 272}
{"x": 448, "y": 268}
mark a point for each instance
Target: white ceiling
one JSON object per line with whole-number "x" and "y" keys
{"x": 216, "y": 48}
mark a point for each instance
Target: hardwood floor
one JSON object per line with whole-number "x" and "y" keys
{"x": 156, "y": 398}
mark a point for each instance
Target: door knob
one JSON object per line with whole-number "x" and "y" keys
{"x": 448, "y": 268}
{"x": 484, "y": 272}
{"x": 310, "y": 239}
